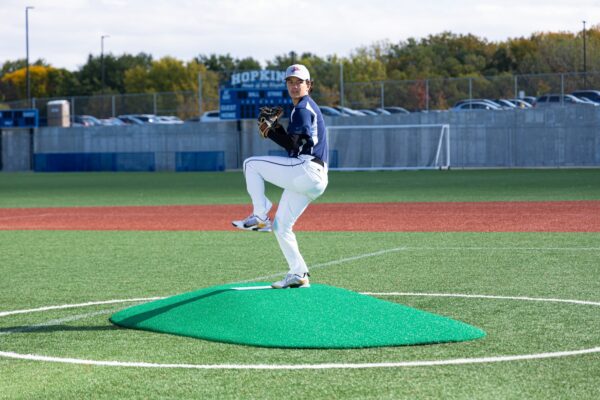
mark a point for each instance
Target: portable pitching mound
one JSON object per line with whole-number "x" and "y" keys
{"x": 321, "y": 316}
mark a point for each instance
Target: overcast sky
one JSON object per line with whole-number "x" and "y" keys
{"x": 64, "y": 32}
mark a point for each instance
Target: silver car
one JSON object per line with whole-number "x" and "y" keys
{"x": 549, "y": 100}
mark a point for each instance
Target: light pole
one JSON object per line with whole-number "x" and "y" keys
{"x": 584, "y": 58}
{"x": 27, "y": 78}
{"x": 102, "y": 59}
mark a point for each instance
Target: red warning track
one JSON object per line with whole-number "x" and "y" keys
{"x": 563, "y": 216}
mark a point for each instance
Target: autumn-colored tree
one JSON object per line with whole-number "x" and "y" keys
{"x": 45, "y": 81}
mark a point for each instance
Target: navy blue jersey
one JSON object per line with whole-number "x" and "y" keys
{"x": 306, "y": 120}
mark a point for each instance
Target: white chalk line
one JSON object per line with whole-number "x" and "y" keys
{"x": 252, "y": 288}
{"x": 54, "y": 322}
{"x": 65, "y": 306}
{"x": 482, "y": 296}
{"x": 417, "y": 363}
{"x": 430, "y": 363}
{"x": 34, "y": 357}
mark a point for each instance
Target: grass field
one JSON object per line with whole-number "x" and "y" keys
{"x": 42, "y": 268}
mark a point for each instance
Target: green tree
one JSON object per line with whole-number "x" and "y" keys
{"x": 442, "y": 55}
{"x": 90, "y": 74}
{"x": 226, "y": 63}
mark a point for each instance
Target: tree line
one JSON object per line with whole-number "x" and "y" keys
{"x": 439, "y": 55}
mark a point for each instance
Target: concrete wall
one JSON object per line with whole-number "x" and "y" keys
{"x": 15, "y": 149}
{"x": 545, "y": 137}
{"x": 550, "y": 137}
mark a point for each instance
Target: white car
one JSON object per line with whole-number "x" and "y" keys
{"x": 211, "y": 116}
{"x": 208, "y": 116}
{"x": 169, "y": 119}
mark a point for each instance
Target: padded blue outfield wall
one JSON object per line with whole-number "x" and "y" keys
{"x": 85, "y": 162}
{"x": 131, "y": 148}
{"x": 131, "y": 162}
{"x": 548, "y": 137}
{"x": 200, "y": 161}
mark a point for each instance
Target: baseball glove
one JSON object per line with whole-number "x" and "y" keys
{"x": 267, "y": 119}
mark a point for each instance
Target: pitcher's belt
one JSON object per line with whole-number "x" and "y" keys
{"x": 318, "y": 161}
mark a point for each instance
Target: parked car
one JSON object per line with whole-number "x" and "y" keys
{"x": 367, "y": 111}
{"x": 148, "y": 118}
{"x": 85, "y": 120}
{"x": 476, "y": 105}
{"x": 520, "y": 103}
{"x": 529, "y": 99}
{"x": 588, "y": 101}
{"x": 169, "y": 119}
{"x": 113, "y": 121}
{"x": 130, "y": 120}
{"x": 139, "y": 119}
{"x": 349, "y": 111}
{"x": 211, "y": 116}
{"x": 593, "y": 95}
{"x": 381, "y": 111}
{"x": 488, "y": 101}
{"x": 207, "y": 116}
{"x": 505, "y": 103}
{"x": 331, "y": 112}
{"x": 396, "y": 110}
{"x": 558, "y": 100}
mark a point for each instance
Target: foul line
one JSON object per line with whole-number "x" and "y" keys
{"x": 327, "y": 264}
{"x": 506, "y": 248}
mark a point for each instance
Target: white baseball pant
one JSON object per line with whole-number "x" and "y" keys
{"x": 302, "y": 181}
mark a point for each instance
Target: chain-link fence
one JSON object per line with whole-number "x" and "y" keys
{"x": 185, "y": 104}
{"x": 414, "y": 95}
{"x": 442, "y": 93}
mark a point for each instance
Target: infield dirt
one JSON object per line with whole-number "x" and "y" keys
{"x": 551, "y": 216}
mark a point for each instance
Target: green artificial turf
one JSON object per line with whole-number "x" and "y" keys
{"x": 106, "y": 189}
{"x": 317, "y": 317}
{"x": 49, "y": 268}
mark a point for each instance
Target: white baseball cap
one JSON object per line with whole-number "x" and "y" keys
{"x": 299, "y": 71}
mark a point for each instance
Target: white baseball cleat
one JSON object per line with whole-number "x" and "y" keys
{"x": 254, "y": 223}
{"x": 292, "y": 281}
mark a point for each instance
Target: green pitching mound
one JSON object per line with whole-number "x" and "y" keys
{"x": 317, "y": 317}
